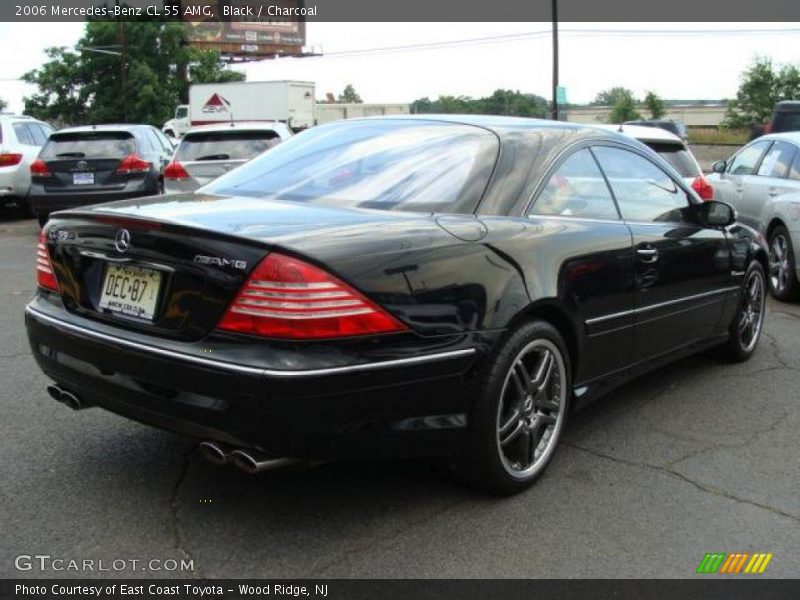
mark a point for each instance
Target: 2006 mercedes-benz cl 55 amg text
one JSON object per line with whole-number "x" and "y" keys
{"x": 439, "y": 286}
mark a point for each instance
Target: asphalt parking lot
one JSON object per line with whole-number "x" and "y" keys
{"x": 701, "y": 456}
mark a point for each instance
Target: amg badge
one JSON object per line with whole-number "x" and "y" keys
{"x": 221, "y": 261}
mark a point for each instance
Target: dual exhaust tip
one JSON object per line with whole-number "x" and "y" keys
{"x": 251, "y": 462}
{"x": 67, "y": 398}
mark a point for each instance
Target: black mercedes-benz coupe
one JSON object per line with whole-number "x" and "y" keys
{"x": 440, "y": 286}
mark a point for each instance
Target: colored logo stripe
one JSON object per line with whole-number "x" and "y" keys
{"x": 733, "y": 563}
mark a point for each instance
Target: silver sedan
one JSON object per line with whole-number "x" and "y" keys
{"x": 762, "y": 180}
{"x": 208, "y": 151}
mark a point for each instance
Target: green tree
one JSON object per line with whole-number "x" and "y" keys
{"x": 624, "y": 109}
{"x": 654, "y": 105}
{"x": 143, "y": 84}
{"x": 761, "y": 86}
{"x": 349, "y": 95}
{"x": 3, "y": 104}
{"x": 501, "y": 102}
{"x": 612, "y": 96}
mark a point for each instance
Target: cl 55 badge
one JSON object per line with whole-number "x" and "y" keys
{"x": 221, "y": 261}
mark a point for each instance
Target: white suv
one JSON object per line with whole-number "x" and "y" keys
{"x": 21, "y": 138}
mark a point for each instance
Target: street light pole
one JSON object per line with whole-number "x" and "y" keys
{"x": 554, "y": 5}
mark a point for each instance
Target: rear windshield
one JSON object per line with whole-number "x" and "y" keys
{"x": 402, "y": 165}
{"x": 677, "y": 156}
{"x": 91, "y": 144}
{"x": 224, "y": 145}
{"x": 786, "y": 121}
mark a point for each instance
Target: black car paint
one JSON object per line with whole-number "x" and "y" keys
{"x": 460, "y": 282}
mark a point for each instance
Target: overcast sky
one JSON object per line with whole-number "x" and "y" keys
{"x": 704, "y": 63}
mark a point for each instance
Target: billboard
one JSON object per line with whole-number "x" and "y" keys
{"x": 241, "y": 30}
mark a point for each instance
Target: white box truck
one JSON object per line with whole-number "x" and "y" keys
{"x": 290, "y": 102}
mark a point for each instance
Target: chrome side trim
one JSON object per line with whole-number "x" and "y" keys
{"x": 650, "y": 307}
{"x": 227, "y": 366}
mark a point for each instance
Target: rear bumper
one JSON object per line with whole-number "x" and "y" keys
{"x": 410, "y": 405}
{"x": 43, "y": 203}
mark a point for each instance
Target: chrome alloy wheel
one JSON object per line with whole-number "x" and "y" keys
{"x": 752, "y": 311}
{"x": 530, "y": 413}
{"x": 779, "y": 265}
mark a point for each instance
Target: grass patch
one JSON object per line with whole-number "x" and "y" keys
{"x": 713, "y": 135}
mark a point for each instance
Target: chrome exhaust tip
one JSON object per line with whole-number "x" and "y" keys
{"x": 55, "y": 392}
{"x": 214, "y": 453}
{"x": 253, "y": 463}
{"x": 67, "y": 398}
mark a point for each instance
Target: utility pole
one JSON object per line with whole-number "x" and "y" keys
{"x": 554, "y": 114}
{"x": 122, "y": 66}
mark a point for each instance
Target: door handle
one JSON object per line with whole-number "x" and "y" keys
{"x": 648, "y": 255}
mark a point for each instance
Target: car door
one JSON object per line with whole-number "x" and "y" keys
{"x": 741, "y": 168}
{"x": 770, "y": 182}
{"x": 682, "y": 268}
{"x": 591, "y": 247}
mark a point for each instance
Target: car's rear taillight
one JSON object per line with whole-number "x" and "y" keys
{"x": 133, "y": 164}
{"x": 287, "y": 298}
{"x": 9, "y": 159}
{"x": 45, "y": 276}
{"x": 39, "y": 169}
{"x": 175, "y": 170}
{"x": 768, "y": 127}
{"x": 703, "y": 188}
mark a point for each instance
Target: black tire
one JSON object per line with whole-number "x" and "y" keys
{"x": 494, "y": 459}
{"x": 748, "y": 322}
{"x": 782, "y": 275}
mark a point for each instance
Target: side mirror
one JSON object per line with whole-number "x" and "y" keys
{"x": 717, "y": 214}
{"x": 719, "y": 166}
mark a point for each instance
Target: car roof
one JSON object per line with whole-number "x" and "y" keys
{"x": 644, "y": 134}
{"x": 787, "y": 105}
{"x": 105, "y": 127}
{"x": 503, "y": 126}
{"x": 789, "y": 136}
{"x": 276, "y": 126}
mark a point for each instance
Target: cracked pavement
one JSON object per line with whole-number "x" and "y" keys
{"x": 699, "y": 456}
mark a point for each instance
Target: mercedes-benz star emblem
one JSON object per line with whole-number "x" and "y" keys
{"x": 123, "y": 240}
{"x": 82, "y": 164}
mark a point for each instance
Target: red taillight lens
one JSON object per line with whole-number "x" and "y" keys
{"x": 768, "y": 127}
{"x": 703, "y": 188}
{"x": 8, "y": 159}
{"x": 39, "y": 168}
{"x": 133, "y": 164}
{"x": 175, "y": 170}
{"x": 44, "y": 268}
{"x": 287, "y": 298}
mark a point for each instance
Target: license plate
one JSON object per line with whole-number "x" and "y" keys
{"x": 131, "y": 291}
{"x": 83, "y": 178}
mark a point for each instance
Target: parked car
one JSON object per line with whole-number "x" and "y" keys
{"x": 672, "y": 149}
{"x": 762, "y": 180}
{"x": 98, "y": 163}
{"x": 439, "y": 285}
{"x": 785, "y": 117}
{"x": 674, "y": 127}
{"x": 21, "y": 138}
{"x": 209, "y": 151}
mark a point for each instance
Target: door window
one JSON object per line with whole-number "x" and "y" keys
{"x": 778, "y": 160}
{"x": 747, "y": 160}
{"x": 643, "y": 191}
{"x": 577, "y": 189}
{"x": 23, "y": 135}
{"x": 794, "y": 172}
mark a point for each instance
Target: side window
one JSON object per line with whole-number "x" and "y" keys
{"x": 794, "y": 173}
{"x": 778, "y": 160}
{"x": 23, "y": 135}
{"x": 37, "y": 132}
{"x": 164, "y": 141}
{"x": 746, "y": 161}
{"x": 643, "y": 191}
{"x": 154, "y": 141}
{"x": 577, "y": 189}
